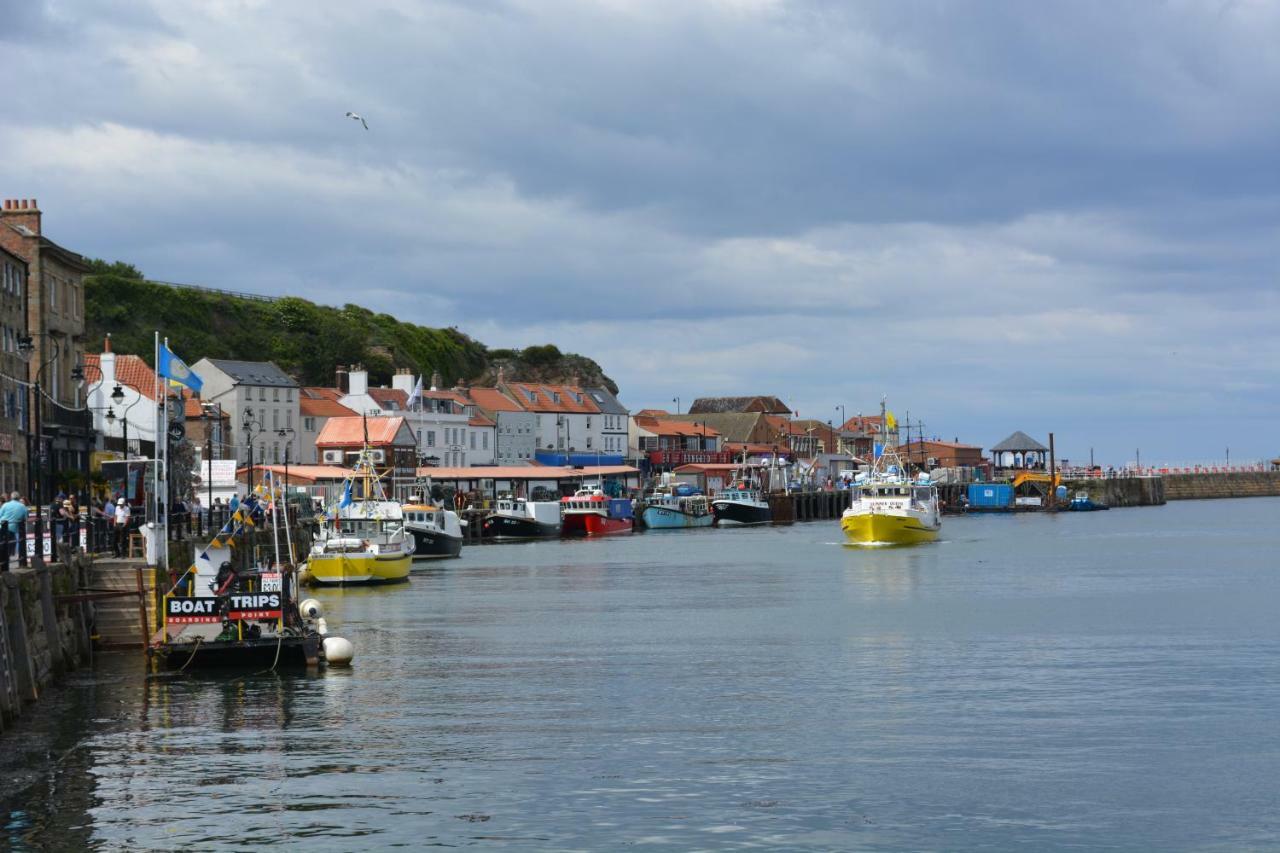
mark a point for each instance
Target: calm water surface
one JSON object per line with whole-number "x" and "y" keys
{"x": 1090, "y": 681}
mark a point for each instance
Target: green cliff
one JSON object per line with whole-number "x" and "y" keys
{"x": 307, "y": 340}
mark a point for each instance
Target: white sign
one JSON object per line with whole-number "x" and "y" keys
{"x": 1027, "y": 501}
{"x": 223, "y": 473}
{"x": 270, "y": 581}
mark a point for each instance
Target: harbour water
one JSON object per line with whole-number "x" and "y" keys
{"x": 1104, "y": 680}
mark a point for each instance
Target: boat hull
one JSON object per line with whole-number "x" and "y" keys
{"x": 883, "y": 529}
{"x": 670, "y": 518}
{"x": 359, "y": 569}
{"x": 435, "y": 545}
{"x": 242, "y": 654}
{"x": 505, "y": 528}
{"x": 737, "y": 514}
{"x": 592, "y": 524}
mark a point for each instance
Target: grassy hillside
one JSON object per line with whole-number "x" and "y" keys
{"x": 304, "y": 339}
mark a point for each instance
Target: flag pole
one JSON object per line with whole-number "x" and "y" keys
{"x": 157, "y": 527}
{"x": 162, "y": 440}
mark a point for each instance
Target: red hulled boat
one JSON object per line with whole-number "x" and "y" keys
{"x": 590, "y": 512}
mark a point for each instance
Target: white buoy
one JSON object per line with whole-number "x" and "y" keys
{"x": 338, "y": 651}
{"x": 311, "y": 609}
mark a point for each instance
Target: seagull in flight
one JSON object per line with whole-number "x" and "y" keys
{"x": 359, "y": 118}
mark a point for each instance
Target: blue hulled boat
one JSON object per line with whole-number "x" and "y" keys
{"x": 667, "y": 510}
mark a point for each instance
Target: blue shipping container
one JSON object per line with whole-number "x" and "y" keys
{"x": 990, "y": 495}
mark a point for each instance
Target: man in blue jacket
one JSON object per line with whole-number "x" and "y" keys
{"x": 13, "y": 529}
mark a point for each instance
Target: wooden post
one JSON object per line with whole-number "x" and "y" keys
{"x": 1053, "y": 468}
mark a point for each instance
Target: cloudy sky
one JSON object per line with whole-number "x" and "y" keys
{"x": 1003, "y": 215}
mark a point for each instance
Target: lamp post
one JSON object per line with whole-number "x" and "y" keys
{"x": 248, "y": 426}
{"x": 286, "y": 431}
{"x": 676, "y": 400}
{"x": 26, "y": 345}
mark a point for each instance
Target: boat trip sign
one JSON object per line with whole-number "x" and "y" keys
{"x": 191, "y": 611}
{"x": 254, "y": 605}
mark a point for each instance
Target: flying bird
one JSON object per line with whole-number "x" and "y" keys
{"x": 355, "y": 117}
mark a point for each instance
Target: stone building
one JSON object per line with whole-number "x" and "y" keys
{"x": 13, "y": 374}
{"x": 55, "y": 325}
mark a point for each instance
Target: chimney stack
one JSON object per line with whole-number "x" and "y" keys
{"x": 340, "y": 379}
{"x": 22, "y": 211}
{"x": 436, "y": 381}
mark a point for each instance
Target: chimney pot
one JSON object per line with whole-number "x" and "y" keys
{"x": 23, "y": 204}
{"x": 34, "y": 204}
{"x": 106, "y": 345}
{"x": 8, "y": 204}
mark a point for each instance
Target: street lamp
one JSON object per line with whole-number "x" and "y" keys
{"x": 117, "y": 397}
{"x": 39, "y": 458}
{"x": 248, "y": 426}
{"x": 288, "y": 443}
{"x": 676, "y": 400}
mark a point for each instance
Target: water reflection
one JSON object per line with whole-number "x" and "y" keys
{"x": 1016, "y": 684}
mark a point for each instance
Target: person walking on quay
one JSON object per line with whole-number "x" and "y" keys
{"x": 13, "y": 530}
{"x": 121, "y": 530}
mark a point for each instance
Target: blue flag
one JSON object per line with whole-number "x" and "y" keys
{"x": 175, "y": 369}
{"x": 346, "y": 497}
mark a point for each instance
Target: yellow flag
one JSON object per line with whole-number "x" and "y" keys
{"x": 890, "y": 421}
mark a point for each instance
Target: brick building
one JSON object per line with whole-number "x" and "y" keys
{"x": 55, "y": 324}
{"x": 13, "y": 373}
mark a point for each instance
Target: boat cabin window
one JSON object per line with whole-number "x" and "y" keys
{"x": 921, "y": 494}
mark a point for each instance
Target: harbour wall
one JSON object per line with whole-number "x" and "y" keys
{"x": 44, "y": 631}
{"x": 1122, "y": 491}
{"x": 1234, "y": 484}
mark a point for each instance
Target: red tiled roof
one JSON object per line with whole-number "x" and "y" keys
{"x": 131, "y": 370}
{"x": 930, "y": 441}
{"x": 480, "y": 421}
{"x": 538, "y": 398}
{"x": 317, "y": 393}
{"x": 447, "y": 395}
{"x": 322, "y": 407}
{"x": 349, "y": 431}
{"x": 194, "y": 410}
{"x": 648, "y": 413}
{"x": 297, "y": 473}
{"x": 672, "y": 427}
{"x": 382, "y": 396}
{"x": 494, "y": 400}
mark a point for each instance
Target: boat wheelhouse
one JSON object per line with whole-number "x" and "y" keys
{"x": 436, "y": 531}
{"x": 517, "y": 518}
{"x": 590, "y": 512}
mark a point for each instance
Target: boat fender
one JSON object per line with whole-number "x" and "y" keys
{"x": 322, "y": 627}
{"x": 311, "y": 609}
{"x": 338, "y": 651}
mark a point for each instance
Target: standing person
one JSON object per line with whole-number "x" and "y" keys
{"x": 104, "y": 530}
{"x": 55, "y": 522}
{"x": 13, "y": 530}
{"x": 70, "y": 515}
{"x": 122, "y": 517}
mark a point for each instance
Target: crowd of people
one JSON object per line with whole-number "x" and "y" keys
{"x": 111, "y": 521}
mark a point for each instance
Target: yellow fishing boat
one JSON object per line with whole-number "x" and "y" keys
{"x": 367, "y": 543}
{"x": 888, "y": 507}
{"x": 892, "y": 514}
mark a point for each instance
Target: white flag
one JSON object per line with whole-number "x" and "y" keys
{"x": 416, "y": 397}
